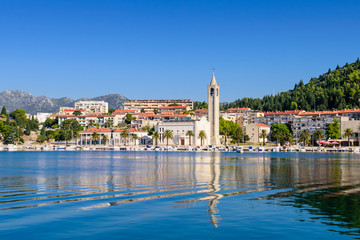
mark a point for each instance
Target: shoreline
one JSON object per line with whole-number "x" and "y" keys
{"x": 238, "y": 149}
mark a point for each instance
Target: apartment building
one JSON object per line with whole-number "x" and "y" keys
{"x": 150, "y": 105}
{"x": 92, "y": 106}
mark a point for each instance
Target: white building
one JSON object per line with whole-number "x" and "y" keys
{"x": 41, "y": 117}
{"x": 93, "y": 106}
{"x": 151, "y": 104}
{"x": 179, "y": 129}
{"x": 113, "y": 137}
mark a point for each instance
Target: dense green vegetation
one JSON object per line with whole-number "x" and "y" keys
{"x": 230, "y": 129}
{"x": 16, "y": 126}
{"x": 336, "y": 89}
{"x": 200, "y": 105}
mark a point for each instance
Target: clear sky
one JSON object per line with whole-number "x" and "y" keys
{"x": 167, "y": 49}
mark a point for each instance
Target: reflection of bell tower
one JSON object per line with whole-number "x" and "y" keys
{"x": 213, "y": 111}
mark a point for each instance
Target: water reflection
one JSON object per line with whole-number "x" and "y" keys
{"x": 324, "y": 185}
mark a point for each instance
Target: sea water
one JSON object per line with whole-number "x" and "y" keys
{"x": 179, "y": 195}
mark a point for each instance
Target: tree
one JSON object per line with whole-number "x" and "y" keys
{"x": 348, "y": 133}
{"x": 333, "y": 129}
{"x": 142, "y": 110}
{"x": 27, "y": 129}
{"x": 3, "y": 111}
{"x": 304, "y": 136}
{"x": 317, "y": 136}
{"x": 69, "y": 128}
{"x": 156, "y": 136}
{"x": 200, "y": 105}
{"x": 225, "y": 133}
{"x": 202, "y": 136}
{"x": 124, "y": 135}
{"x": 77, "y": 113}
{"x": 95, "y": 137}
{"x": 128, "y": 118}
{"x": 12, "y": 136}
{"x": 293, "y": 106}
{"x": 104, "y": 139}
{"x": 111, "y": 110}
{"x": 168, "y": 134}
{"x": 263, "y": 135}
{"x": 135, "y": 137}
{"x": 238, "y": 136}
{"x": 19, "y": 116}
{"x": 280, "y": 132}
{"x": 190, "y": 134}
{"x": 156, "y": 111}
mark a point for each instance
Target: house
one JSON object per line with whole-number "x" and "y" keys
{"x": 253, "y": 130}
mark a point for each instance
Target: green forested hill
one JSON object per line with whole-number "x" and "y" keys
{"x": 336, "y": 89}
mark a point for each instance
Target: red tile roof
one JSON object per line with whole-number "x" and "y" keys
{"x": 73, "y": 110}
{"x": 262, "y": 125}
{"x": 173, "y": 107}
{"x": 238, "y": 109}
{"x": 292, "y": 112}
{"x": 330, "y": 112}
{"x": 94, "y": 129}
{"x": 121, "y": 112}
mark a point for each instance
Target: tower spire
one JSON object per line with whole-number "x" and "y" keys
{"x": 213, "y": 80}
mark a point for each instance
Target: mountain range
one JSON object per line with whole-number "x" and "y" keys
{"x": 24, "y": 100}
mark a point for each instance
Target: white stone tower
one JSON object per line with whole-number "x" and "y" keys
{"x": 213, "y": 111}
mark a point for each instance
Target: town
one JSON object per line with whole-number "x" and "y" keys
{"x": 176, "y": 125}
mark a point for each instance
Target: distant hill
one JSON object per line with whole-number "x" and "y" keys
{"x": 23, "y": 100}
{"x": 336, "y": 89}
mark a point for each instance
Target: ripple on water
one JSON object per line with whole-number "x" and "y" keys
{"x": 41, "y": 187}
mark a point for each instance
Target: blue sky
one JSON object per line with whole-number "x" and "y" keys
{"x": 167, "y": 49}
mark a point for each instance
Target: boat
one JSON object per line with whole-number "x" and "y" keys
{"x": 10, "y": 148}
{"x": 239, "y": 150}
{"x": 47, "y": 148}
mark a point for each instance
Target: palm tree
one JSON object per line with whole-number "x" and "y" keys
{"x": 104, "y": 139}
{"x": 263, "y": 135}
{"x": 305, "y": 136}
{"x": 202, "y": 136}
{"x": 135, "y": 137}
{"x": 156, "y": 136}
{"x": 95, "y": 136}
{"x": 168, "y": 134}
{"x": 124, "y": 135}
{"x": 190, "y": 134}
{"x": 348, "y": 133}
{"x": 318, "y": 135}
{"x": 76, "y": 135}
{"x": 225, "y": 132}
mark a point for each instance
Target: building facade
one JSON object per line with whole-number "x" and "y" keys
{"x": 92, "y": 106}
{"x": 253, "y": 130}
{"x": 150, "y": 105}
{"x": 179, "y": 128}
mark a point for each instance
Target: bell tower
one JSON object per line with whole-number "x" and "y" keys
{"x": 213, "y": 111}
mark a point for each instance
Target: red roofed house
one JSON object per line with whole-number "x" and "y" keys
{"x": 253, "y": 130}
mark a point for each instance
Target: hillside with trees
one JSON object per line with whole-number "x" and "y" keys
{"x": 336, "y": 89}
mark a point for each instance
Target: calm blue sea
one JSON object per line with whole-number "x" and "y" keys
{"x": 179, "y": 195}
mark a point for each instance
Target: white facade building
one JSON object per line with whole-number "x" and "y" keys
{"x": 179, "y": 130}
{"x": 93, "y": 106}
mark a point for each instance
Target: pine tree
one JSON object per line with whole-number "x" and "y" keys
{"x": 3, "y": 111}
